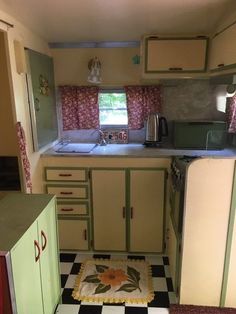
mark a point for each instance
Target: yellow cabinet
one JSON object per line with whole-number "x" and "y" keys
{"x": 73, "y": 234}
{"x": 109, "y": 209}
{"x": 223, "y": 49}
{"x": 128, "y": 209}
{"x": 175, "y": 54}
{"x": 71, "y": 187}
{"x": 147, "y": 190}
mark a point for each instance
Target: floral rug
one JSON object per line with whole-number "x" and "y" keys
{"x": 114, "y": 281}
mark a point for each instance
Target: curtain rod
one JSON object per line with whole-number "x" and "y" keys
{"x": 8, "y": 24}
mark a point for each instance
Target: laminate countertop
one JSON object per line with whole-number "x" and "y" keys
{"x": 139, "y": 150}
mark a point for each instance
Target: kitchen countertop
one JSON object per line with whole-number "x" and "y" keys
{"x": 138, "y": 150}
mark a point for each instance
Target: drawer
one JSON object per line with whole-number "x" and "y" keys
{"x": 72, "y": 208}
{"x": 68, "y": 191}
{"x": 78, "y": 236}
{"x": 66, "y": 174}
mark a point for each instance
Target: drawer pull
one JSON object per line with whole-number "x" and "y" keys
{"x": 123, "y": 212}
{"x": 175, "y": 69}
{"x": 65, "y": 174}
{"x": 67, "y": 209}
{"x": 43, "y": 236}
{"x": 220, "y": 65}
{"x": 131, "y": 212}
{"x": 36, "y": 245}
{"x": 85, "y": 234}
{"x": 66, "y": 193}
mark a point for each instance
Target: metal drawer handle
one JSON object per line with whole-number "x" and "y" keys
{"x": 131, "y": 212}
{"x": 36, "y": 245}
{"x": 65, "y": 174}
{"x": 123, "y": 211}
{"x": 85, "y": 234}
{"x": 220, "y": 65}
{"x": 67, "y": 209}
{"x": 66, "y": 193}
{"x": 175, "y": 69}
{"x": 44, "y": 238}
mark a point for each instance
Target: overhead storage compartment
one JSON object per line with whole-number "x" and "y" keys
{"x": 223, "y": 50}
{"x": 174, "y": 55}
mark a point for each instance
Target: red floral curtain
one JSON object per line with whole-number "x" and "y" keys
{"x": 141, "y": 101}
{"x": 79, "y": 107}
{"x": 231, "y": 113}
{"x": 24, "y": 158}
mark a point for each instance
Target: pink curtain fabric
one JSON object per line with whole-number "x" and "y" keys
{"x": 24, "y": 157}
{"x": 231, "y": 113}
{"x": 141, "y": 101}
{"x": 79, "y": 107}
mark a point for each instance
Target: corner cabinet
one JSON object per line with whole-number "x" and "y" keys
{"x": 29, "y": 247}
{"x": 175, "y": 55}
{"x": 223, "y": 50}
{"x": 128, "y": 209}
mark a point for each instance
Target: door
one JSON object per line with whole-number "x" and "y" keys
{"x": 109, "y": 209}
{"x": 77, "y": 238}
{"x": 49, "y": 259}
{"x": 147, "y": 187}
{"x": 25, "y": 259}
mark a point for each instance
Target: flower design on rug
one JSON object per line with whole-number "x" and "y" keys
{"x": 107, "y": 277}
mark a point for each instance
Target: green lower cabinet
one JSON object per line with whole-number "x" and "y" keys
{"x": 74, "y": 233}
{"x": 35, "y": 266}
{"x": 26, "y": 274}
{"x": 47, "y": 230}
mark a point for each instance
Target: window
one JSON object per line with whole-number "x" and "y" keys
{"x": 112, "y": 108}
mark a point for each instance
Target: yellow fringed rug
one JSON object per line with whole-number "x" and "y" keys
{"x": 114, "y": 281}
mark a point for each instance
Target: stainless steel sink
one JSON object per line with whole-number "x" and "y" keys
{"x": 76, "y": 148}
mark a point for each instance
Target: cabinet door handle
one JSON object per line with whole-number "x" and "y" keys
{"x": 123, "y": 211}
{"x": 67, "y": 209}
{"x": 85, "y": 234}
{"x": 65, "y": 174}
{"x": 175, "y": 69}
{"x": 131, "y": 212}
{"x": 44, "y": 238}
{"x": 66, "y": 193}
{"x": 36, "y": 245}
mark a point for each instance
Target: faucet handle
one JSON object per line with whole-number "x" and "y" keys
{"x": 102, "y": 140}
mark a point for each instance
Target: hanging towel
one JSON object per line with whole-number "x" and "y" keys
{"x": 24, "y": 157}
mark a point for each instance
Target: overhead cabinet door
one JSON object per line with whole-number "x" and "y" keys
{"x": 175, "y": 55}
{"x": 146, "y": 210}
{"x": 223, "y": 50}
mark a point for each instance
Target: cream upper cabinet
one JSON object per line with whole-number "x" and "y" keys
{"x": 146, "y": 210}
{"x": 109, "y": 209}
{"x": 175, "y": 54}
{"x": 223, "y": 49}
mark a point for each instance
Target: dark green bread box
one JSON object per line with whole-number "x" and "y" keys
{"x": 195, "y": 134}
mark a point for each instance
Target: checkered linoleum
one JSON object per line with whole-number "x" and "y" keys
{"x": 164, "y": 295}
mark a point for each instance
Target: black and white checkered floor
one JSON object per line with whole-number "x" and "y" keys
{"x": 164, "y": 294}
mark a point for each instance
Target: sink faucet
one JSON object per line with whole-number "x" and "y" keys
{"x": 102, "y": 140}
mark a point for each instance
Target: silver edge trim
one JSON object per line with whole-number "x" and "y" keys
{"x": 100, "y": 44}
{"x": 11, "y": 283}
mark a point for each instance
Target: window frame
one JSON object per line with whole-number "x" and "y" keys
{"x": 118, "y": 90}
